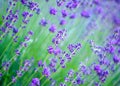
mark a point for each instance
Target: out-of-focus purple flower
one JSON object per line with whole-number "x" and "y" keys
{"x": 117, "y": 1}
{"x": 116, "y": 59}
{"x": 38, "y": 11}
{"x": 24, "y": 1}
{"x": 26, "y": 65}
{"x": 63, "y": 84}
{"x": 3, "y": 29}
{"x": 13, "y": 79}
{"x": 1, "y": 74}
{"x": 57, "y": 51}
{"x": 53, "y": 11}
{"x": 72, "y": 16}
{"x": 52, "y": 64}
{"x": 15, "y": 30}
{"x": 116, "y": 20}
{"x": 35, "y": 82}
{"x": 96, "y": 2}
{"x": 43, "y": 22}
{"x": 64, "y": 13}
{"x": 59, "y": 3}
{"x": 79, "y": 81}
{"x": 72, "y": 4}
{"x": 59, "y": 37}
{"x": 85, "y": 14}
{"x": 97, "y": 67}
{"x": 32, "y": 5}
{"x": 71, "y": 73}
{"x": 97, "y": 84}
{"x": 40, "y": 63}
{"x": 50, "y": 50}
{"x": 52, "y": 28}
{"x": 68, "y": 57}
{"x": 26, "y": 38}
{"x": 19, "y": 73}
{"x": 6, "y": 65}
{"x": 25, "y": 14}
{"x": 46, "y": 71}
{"x": 30, "y": 33}
{"x": 72, "y": 47}
{"x": 62, "y": 22}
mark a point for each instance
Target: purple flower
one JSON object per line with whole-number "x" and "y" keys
{"x": 117, "y": 20}
{"x": 1, "y": 74}
{"x": 53, "y": 11}
{"x": 13, "y": 79}
{"x": 57, "y": 51}
{"x": 85, "y": 14}
{"x": 19, "y": 73}
{"x": 64, "y": 13}
{"x": 27, "y": 38}
{"x": 30, "y": 33}
{"x": 15, "y": 30}
{"x": 116, "y": 59}
{"x": 68, "y": 57}
{"x": 96, "y": 84}
{"x": 40, "y": 63}
{"x": 24, "y": 1}
{"x": 27, "y": 63}
{"x": 96, "y": 2}
{"x": 43, "y": 22}
{"x": 72, "y": 16}
{"x": 117, "y": 1}
{"x": 52, "y": 64}
{"x": 71, "y": 73}
{"x": 50, "y": 50}
{"x": 79, "y": 81}
{"x": 46, "y": 71}
{"x": 59, "y": 3}
{"x": 72, "y": 47}
{"x": 97, "y": 67}
{"x": 38, "y": 11}
{"x": 33, "y": 6}
{"x": 62, "y": 61}
{"x": 62, "y": 84}
{"x": 3, "y": 29}
{"x": 7, "y": 65}
{"x": 52, "y": 28}
{"x": 59, "y": 37}
{"x": 62, "y": 22}
{"x": 25, "y": 14}
{"x": 35, "y": 82}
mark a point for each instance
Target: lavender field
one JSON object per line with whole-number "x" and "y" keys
{"x": 59, "y": 42}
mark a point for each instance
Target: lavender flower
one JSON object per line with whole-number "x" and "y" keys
{"x": 52, "y": 28}
{"x": 43, "y": 22}
{"x": 64, "y": 13}
{"x": 116, "y": 59}
{"x": 53, "y": 11}
{"x": 40, "y": 63}
{"x": 0, "y": 74}
{"x": 35, "y": 82}
{"x": 46, "y": 71}
{"x": 62, "y": 22}
{"x": 50, "y": 50}
{"x": 85, "y": 14}
{"x": 58, "y": 54}
{"x": 59, "y": 37}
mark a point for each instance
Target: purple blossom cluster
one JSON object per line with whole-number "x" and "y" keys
{"x": 107, "y": 55}
{"x": 26, "y": 66}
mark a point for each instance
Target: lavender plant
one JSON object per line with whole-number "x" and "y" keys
{"x": 59, "y": 42}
